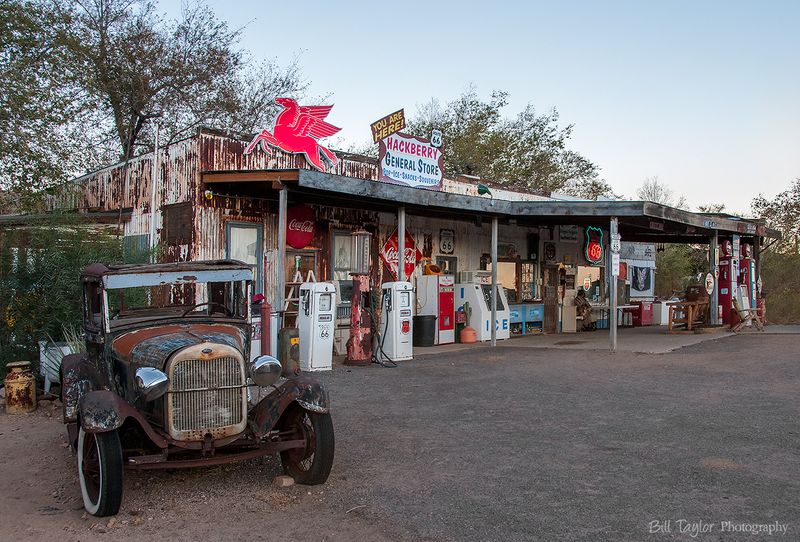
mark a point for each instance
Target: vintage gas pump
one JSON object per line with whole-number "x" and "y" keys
{"x": 359, "y": 345}
{"x": 397, "y": 314}
{"x": 726, "y": 283}
{"x": 747, "y": 273}
{"x": 316, "y": 321}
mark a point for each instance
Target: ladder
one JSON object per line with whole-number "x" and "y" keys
{"x": 293, "y": 297}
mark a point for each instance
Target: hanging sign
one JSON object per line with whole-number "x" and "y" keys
{"x": 436, "y": 138}
{"x": 568, "y": 234}
{"x": 447, "y": 241}
{"x": 300, "y": 226}
{"x": 709, "y": 283}
{"x": 383, "y": 128}
{"x": 410, "y": 161}
{"x": 413, "y": 255}
{"x": 549, "y": 252}
{"x": 297, "y": 131}
{"x": 594, "y": 247}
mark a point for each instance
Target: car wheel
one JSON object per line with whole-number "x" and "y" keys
{"x": 100, "y": 472}
{"x": 310, "y": 465}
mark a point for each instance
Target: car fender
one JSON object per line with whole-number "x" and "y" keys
{"x": 303, "y": 390}
{"x": 102, "y": 411}
{"x": 80, "y": 375}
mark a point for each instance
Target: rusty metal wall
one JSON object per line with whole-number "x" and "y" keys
{"x": 180, "y": 164}
{"x": 223, "y": 153}
{"x": 129, "y": 185}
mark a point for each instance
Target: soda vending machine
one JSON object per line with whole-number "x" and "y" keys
{"x": 397, "y": 314}
{"x": 727, "y": 283}
{"x": 316, "y": 323}
{"x": 436, "y": 297}
{"x": 747, "y": 273}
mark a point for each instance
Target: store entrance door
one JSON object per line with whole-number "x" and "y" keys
{"x": 550, "y": 298}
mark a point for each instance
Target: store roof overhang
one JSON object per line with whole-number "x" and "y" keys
{"x": 639, "y": 220}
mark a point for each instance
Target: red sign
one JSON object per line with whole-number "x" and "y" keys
{"x": 413, "y": 255}
{"x": 296, "y": 131}
{"x": 300, "y": 226}
{"x": 594, "y": 245}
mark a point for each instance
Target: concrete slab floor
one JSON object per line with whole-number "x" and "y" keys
{"x": 641, "y": 340}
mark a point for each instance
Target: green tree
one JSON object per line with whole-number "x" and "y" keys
{"x": 783, "y": 214}
{"x": 137, "y": 66}
{"x": 83, "y": 81}
{"x": 780, "y": 261}
{"x": 38, "y": 105}
{"x": 528, "y": 151}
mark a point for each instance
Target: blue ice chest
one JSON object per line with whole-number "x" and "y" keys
{"x": 528, "y": 315}
{"x": 535, "y": 313}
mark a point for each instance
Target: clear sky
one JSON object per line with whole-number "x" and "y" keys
{"x": 705, "y": 95}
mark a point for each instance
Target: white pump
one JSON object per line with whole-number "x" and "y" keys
{"x": 396, "y": 327}
{"x": 316, "y": 324}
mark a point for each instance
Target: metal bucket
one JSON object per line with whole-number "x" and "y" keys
{"x": 20, "y": 388}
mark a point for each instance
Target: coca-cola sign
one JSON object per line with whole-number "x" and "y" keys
{"x": 300, "y": 226}
{"x": 413, "y": 255}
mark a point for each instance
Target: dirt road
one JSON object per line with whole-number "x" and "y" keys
{"x": 516, "y": 445}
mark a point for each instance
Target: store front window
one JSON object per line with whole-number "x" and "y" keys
{"x": 507, "y": 277}
{"x": 244, "y": 242}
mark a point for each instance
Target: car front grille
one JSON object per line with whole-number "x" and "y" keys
{"x": 207, "y": 396}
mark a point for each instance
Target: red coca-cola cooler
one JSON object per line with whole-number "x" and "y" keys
{"x": 643, "y": 314}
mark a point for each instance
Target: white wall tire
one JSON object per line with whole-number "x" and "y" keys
{"x": 100, "y": 472}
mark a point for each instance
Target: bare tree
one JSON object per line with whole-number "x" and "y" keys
{"x": 654, "y": 190}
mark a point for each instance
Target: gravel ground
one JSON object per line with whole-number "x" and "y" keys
{"x": 515, "y": 445}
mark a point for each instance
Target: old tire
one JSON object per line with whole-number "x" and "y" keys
{"x": 100, "y": 472}
{"x": 310, "y": 465}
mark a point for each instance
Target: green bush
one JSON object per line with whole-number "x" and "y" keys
{"x": 677, "y": 266}
{"x": 40, "y": 291}
{"x": 780, "y": 274}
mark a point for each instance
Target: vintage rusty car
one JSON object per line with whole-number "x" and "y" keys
{"x": 167, "y": 381}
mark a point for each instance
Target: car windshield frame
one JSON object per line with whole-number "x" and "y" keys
{"x": 235, "y": 287}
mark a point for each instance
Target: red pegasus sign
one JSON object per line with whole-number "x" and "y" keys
{"x": 297, "y": 130}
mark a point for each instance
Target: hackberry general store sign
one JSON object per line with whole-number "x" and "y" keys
{"x": 411, "y": 161}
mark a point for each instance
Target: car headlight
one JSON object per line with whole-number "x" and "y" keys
{"x": 265, "y": 370}
{"x": 151, "y": 383}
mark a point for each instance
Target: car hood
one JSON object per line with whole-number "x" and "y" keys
{"x": 151, "y": 346}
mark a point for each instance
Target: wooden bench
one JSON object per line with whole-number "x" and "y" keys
{"x": 687, "y": 313}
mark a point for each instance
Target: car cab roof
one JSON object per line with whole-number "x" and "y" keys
{"x": 106, "y": 269}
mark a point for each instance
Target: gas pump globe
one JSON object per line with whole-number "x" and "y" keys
{"x": 359, "y": 345}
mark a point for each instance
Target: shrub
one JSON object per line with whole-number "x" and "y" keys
{"x": 40, "y": 291}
